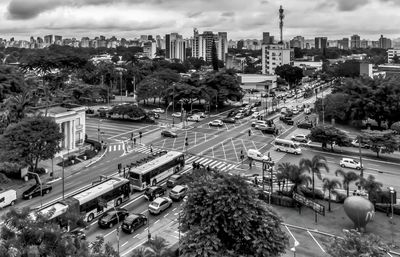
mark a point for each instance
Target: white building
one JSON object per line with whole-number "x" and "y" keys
{"x": 202, "y": 44}
{"x": 150, "y": 49}
{"x": 175, "y": 47}
{"x": 391, "y": 53}
{"x": 257, "y": 81}
{"x": 72, "y": 124}
{"x": 274, "y": 56}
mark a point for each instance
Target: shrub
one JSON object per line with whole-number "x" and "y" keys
{"x": 11, "y": 170}
{"x": 71, "y": 157}
{"x": 340, "y": 197}
{"x": 96, "y": 145}
{"x": 89, "y": 154}
{"x": 4, "y": 179}
{"x": 307, "y": 192}
{"x": 385, "y": 207}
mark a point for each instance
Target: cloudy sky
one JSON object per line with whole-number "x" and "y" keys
{"x": 240, "y": 18}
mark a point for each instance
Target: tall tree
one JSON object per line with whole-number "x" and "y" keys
{"x": 330, "y": 185}
{"x": 328, "y": 135}
{"x": 298, "y": 178}
{"x": 381, "y": 141}
{"x": 31, "y": 140}
{"x": 214, "y": 56}
{"x": 314, "y": 167}
{"x": 291, "y": 74}
{"x": 355, "y": 244}
{"x": 348, "y": 177}
{"x": 215, "y": 206}
{"x": 372, "y": 186}
{"x": 283, "y": 172}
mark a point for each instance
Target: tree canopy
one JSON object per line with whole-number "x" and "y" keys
{"x": 381, "y": 141}
{"x": 291, "y": 74}
{"x": 223, "y": 217}
{"x": 328, "y": 135}
{"x": 31, "y": 140}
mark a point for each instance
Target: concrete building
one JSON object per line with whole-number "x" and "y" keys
{"x": 267, "y": 38}
{"x": 366, "y": 69}
{"x": 309, "y": 43}
{"x": 321, "y": 42}
{"x": 48, "y": 40}
{"x": 391, "y": 53}
{"x": 72, "y": 122}
{"x": 390, "y": 69}
{"x": 274, "y": 56}
{"x": 175, "y": 47}
{"x": 385, "y": 43}
{"x": 343, "y": 43}
{"x": 85, "y": 42}
{"x": 233, "y": 62}
{"x": 298, "y": 42}
{"x": 202, "y": 44}
{"x": 355, "y": 41}
{"x": 58, "y": 40}
{"x": 150, "y": 49}
{"x": 257, "y": 81}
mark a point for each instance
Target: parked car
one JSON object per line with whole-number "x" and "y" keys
{"x": 178, "y": 192}
{"x": 153, "y": 192}
{"x": 112, "y": 217}
{"x": 255, "y": 115}
{"x": 350, "y": 163}
{"x": 133, "y": 222}
{"x": 35, "y": 191}
{"x": 216, "y": 123}
{"x": 168, "y": 133}
{"x": 177, "y": 114}
{"x": 258, "y": 122}
{"x": 305, "y": 125}
{"x": 288, "y": 120}
{"x": 7, "y": 198}
{"x": 159, "y": 205}
{"x": 300, "y": 138}
{"x": 174, "y": 180}
{"x": 158, "y": 110}
{"x": 229, "y": 120}
{"x": 295, "y": 111}
{"x": 240, "y": 115}
{"x": 363, "y": 145}
{"x": 194, "y": 117}
{"x": 268, "y": 130}
{"x": 261, "y": 126}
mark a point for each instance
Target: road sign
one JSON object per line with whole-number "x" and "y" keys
{"x": 319, "y": 208}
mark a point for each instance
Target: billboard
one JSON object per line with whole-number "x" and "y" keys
{"x": 319, "y": 208}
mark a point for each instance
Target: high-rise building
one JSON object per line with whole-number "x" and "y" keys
{"x": 48, "y": 40}
{"x": 343, "y": 43}
{"x": 150, "y": 49}
{"x": 355, "y": 41}
{"x": 240, "y": 44}
{"x": 321, "y": 42}
{"x": 58, "y": 40}
{"x": 202, "y": 44}
{"x": 297, "y": 42}
{"x": 274, "y": 56}
{"x": 175, "y": 47}
{"x": 391, "y": 53}
{"x": 267, "y": 38}
{"x": 85, "y": 42}
{"x": 385, "y": 43}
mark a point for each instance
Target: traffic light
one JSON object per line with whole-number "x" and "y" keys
{"x": 186, "y": 141}
{"x": 140, "y": 134}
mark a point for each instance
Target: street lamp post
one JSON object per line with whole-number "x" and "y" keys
{"x": 359, "y": 151}
{"x": 120, "y": 89}
{"x": 148, "y": 226}
{"x": 63, "y": 163}
{"x": 40, "y": 183}
{"x": 391, "y": 190}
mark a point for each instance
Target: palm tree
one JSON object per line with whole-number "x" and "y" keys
{"x": 283, "y": 171}
{"x": 348, "y": 177}
{"x": 18, "y": 105}
{"x": 158, "y": 247}
{"x": 314, "y": 166}
{"x": 298, "y": 178}
{"x": 330, "y": 185}
{"x": 371, "y": 186}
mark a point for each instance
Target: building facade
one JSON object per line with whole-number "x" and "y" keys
{"x": 385, "y": 43}
{"x": 274, "y": 56}
{"x": 355, "y": 41}
{"x": 391, "y": 53}
{"x": 202, "y": 44}
{"x": 175, "y": 47}
{"x": 321, "y": 42}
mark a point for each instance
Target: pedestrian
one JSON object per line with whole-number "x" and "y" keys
{"x": 194, "y": 165}
{"x": 134, "y": 141}
{"x": 208, "y": 168}
{"x": 151, "y": 148}
{"x": 249, "y": 132}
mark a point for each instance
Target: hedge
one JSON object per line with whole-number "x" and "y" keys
{"x": 385, "y": 207}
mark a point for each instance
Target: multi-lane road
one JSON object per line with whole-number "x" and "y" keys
{"x": 219, "y": 148}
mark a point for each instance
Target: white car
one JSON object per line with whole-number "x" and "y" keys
{"x": 254, "y": 109}
{"x": 194, "y": 118}
{"x": 159, "y": 205}
{"x": 217, "y": 123}
{"x": 158, "y": 110}
{"x": 350, "y": 163}
{"x": 258, "y": 122}
{"x": 300, "y": 138}
{"x": 255, "y": 115}
{"x": 177, "y": 114}
{"x": 295, "y": 111}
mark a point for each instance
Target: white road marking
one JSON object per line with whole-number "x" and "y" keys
{"x": 156, "y": 221}
{"x": 112, "y": 231}
{"x": 322, "y": 249}
{"x": 125, "y": 243}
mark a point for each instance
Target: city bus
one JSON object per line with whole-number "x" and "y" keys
{"x": 282, "y": 145}
{"x": 92, "y": 201}
{"x": 150, "y": 173}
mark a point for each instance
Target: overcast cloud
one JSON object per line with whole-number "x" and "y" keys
{"x": 240, "y": 18}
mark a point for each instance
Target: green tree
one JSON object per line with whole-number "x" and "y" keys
{"x": 328, "y": 135}
{"x": 348, "y": 177}
{"x": 314, "y": 167}
{"x": 215, "y": 206}
{"x": 355, "y": 244}
{"x": 11, "y": 81}
{"x": 381, "y": 141}
{"x": 330, "y": 186}
{"x": 283, "y": 171}
{"x": 31, "y": 140}
{"x": 298, "y": 178}
{"x": 291, "y": 74}
{"x": 370, "y": 185}
{"x": 336, "y": 106}
{"x": 396, "y": 59}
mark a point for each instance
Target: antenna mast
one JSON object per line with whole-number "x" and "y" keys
{"x": 281, "y": 17}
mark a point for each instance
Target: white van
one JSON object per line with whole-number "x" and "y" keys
{"x": 282, "y": 145}
{"x": 8, "y": 198}
{"x": 253, "y": 154}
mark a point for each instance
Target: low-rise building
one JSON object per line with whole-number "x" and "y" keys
{"x": 257, "y": 81}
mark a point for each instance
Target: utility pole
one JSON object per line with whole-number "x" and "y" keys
{"x": 281, "y": 17}
{"x": 359, "y": 151}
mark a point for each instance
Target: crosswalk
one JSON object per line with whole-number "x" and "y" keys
{"x": 219, "y": 165}
{"x": 116, "y": 147}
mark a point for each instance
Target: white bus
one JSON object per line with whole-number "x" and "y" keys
{"x": 150, "y": 173}
{"x": 93, "y": 200}
{"x": 282, "y": 145}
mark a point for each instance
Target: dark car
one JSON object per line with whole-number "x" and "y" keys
{"x": 174, "y": 180}
{"x": 133, "y": 222}
{"x": 153, "y": 192}
{"x": 35, "y": 191}
{"x": 268, "y": 130}
{"x": 286, "y": 119}
{"x": 167, "y": 133}
{"x": 78, "y": 234}
{"x": 112, "y": 217}
{"x": 305, "y": 125}
{"x": 229, "y": 120}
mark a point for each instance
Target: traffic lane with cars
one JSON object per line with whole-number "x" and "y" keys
{"x": 106, "y": 166}
{"x": 389, "y": 177}
{"x": 156, "y": 224}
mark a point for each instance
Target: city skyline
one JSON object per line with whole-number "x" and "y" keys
{"x": 132, "y": 18}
